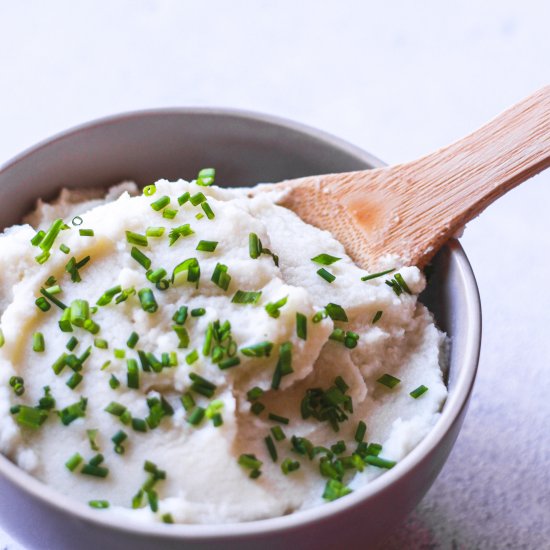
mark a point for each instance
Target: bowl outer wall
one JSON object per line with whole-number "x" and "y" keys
{"x": 246, "y": 148}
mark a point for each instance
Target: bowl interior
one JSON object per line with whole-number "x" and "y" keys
{"x": 245, "y": 149}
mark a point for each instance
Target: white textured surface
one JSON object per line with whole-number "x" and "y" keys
{"x": 396, "y": 78}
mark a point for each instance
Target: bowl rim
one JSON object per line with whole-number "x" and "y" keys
{"x": 454, "y": 406}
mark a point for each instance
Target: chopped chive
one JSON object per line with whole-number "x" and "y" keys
{"x": 191, "y": 265}
{"x": 187, "y": 401}
{"x": 80, "y": 312}
{"x": 196, "y": 199}
{"x": 375, "y": 275}
{"x": 335, "y": 489}
{"x": 114, "y": 382}
{"x": 180, "y": 316}
{"x": 169, "y": 213}
{"x": 271, "y": 448}
{"x": 416, "y": 393}
{"x": 246, "y": 297}
{"x": 18, "y": 385}
{"x": 399, "y": 278}
{"x": 262, "y": 349}
{"x": 64, "y": 248}
{"x": 278, "y": 433}
{"x": 182, "y": 199}
{"x": 119, "y": 353}
{"x": 207, "y": 246}
{"x": 65, "y": 321}
{"x": 198, "y": 312}
{"x": 156, "y": 275}
{"x": 160, "y": 203}
{"x": 325, "y": 259}
{"x": 229, "y": 363}
{"x": 136, "y": 238}
{"x": 59, "y": 363}
{"x": 38, "y": 344}
{"x": 208, "y": 211}
{"x": 326, "y": 275}
{"x": 116, "y": 409}
{"x": 167, "y": 518}
{"x": 42, "y": 304}
{"x": 284, "y": 364}
{"x": 73, "y": 267}
{"x": 100, "y": 343}
{"x": 273, "y": 308}
{"x": 37, "y": 239}
{"x": 183, "y": 336}
{"x": 77, "y": 220}
{"x": 377, "y": 317}
{"x": 99, "y": 504}
{"x": 336, "y": 312}
{"x": 191, "y": 357}
{"x": 154, "y": 231}
{"x": 50, "y": 281}
{"x": 301, "y": 326}
{"x": 360, "y": 431}
{"x": 30, "y": 417}
{"x": 254, "y": 246}
{"x": 53, "y": 299}
{"x": 86, "y": 232}
{"x": 92, "y": 434}
{"x": 139, "y": 425}
{"x": 132, "y": 374}
{"x": 94, "y": 471}
{"x": 132, "y": 340}
{"x": 257, "y": 408}
{"x": 254, "y": 393}
{"x": 181, "y": 231}
{"x": 140, "y": 258}
{"x": 54, "y": 289}
{"x": 147, "y": 300}
{"x": 277, "y": 418}
{"x": 220, "y": 277}
{"x": 206, "y": 177}
{"x": 149, "y": 190}
{"x": 74, "y": 380}
{"x": 74, "y": 411}
{"x": 379, "y": 462}
{"x": 388, "y": 380}
{"x": 108, "y": 295}
{"x": 74, "y": 462}
{"x": 288, "y": 466}
{"x": 249, "y": 461}
{"x": 118, "y": 439}
{"x": 195, "y": 416}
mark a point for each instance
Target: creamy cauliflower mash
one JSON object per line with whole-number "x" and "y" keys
{"x": 189, "y": 354}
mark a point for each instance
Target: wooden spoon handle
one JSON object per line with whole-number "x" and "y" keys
{"x": 454, "y": 184}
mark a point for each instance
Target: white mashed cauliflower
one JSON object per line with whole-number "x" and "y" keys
{"x": 315, "y": 390}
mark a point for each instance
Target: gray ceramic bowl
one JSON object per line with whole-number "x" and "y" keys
{"x": 246, "y": 148}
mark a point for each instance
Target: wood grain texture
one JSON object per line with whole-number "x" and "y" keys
{"x": 411, "y": 209}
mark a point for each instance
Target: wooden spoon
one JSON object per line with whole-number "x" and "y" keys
{"x": 412, "y": 209}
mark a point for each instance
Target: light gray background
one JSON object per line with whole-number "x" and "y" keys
{"x": 396, "y": 78}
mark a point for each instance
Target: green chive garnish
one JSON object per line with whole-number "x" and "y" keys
{"x": 273, "y": 308}
{"x": 278, "y": 433}
{"x": 208, "y": 211}
{"x": 74, "y": 380}
{"x": 271, "y": 448}
{"x": 169, "y": 213}
{"x": 132, "y": 374}
{"x": 196, "y": 199}
{"x": 42, "y": 304}
{"x": 108, "y": 295}
{"x": 198, "y": 312}
{"x": 38, "y": 344}
{"x": 154, "y": 231}
{"x": 326, "y": 275}
{"x": 86, "y": 232}
{"x": 335, "y": 489}
{"x": 118, "y": 439}
{"x": 74, "y": 411}
{"x": 74, "y": 462}
{"x": 262, "y": 349}
{"x": 388, "y": 380}
{"x": 195, "y": 416}
{"x": 229, "y": 363}
{"x": 288, "y": 466}
{"x": 136, "y": 238}
{"x": 183, "y": 336}
{"x": 147, "y": 300}
{"x": 246, "y": 297}
{"x": 416, "y": 393}
{"x": 379, "y": 462}
{"x": 399, "y": 278}
{"x": 98, "y": 504}
{"x": 301, "y": 326}
{"x": 254, "y": 246}
{"x": 180, "y": 316}
{"x": 375, "y": 275}
{"x": 206, "y": 177}
{"x": 132, "y": 340}
{"x": 254, "y": 393}
{"x": 325, "y": 259}
{"x": 160, "y": 203}
{"x": 191, "y": 265}
{"x": 114, "y": 382}
{"x": 149, "y": 190}
{"x": 377, "y": 317}
{"x": 360, "y": 431}
{"x": 182, "y": 199}
{"x": 284, "y": 364}
{"x": 207, "y": 246}
{"x": 277, "y": 418}
{"x": 64, "y": 248}
{"x": 140, "y": 258}
{"x": 336, "y": 312}
{"x": 220, "y": 277}
{"x": 190, "y": 358}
